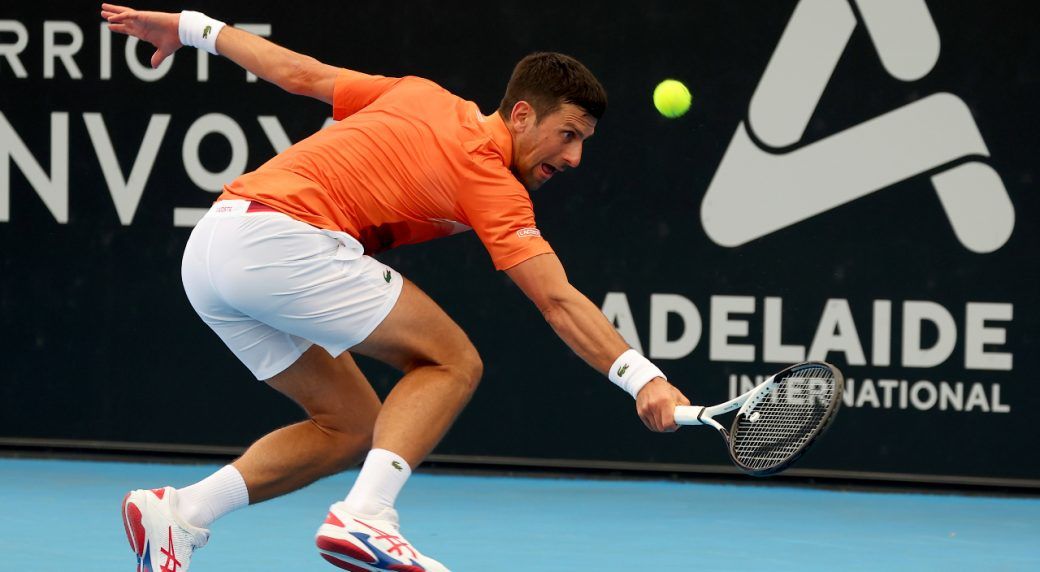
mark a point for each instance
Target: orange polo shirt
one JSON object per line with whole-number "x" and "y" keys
{"x": 407, "y": 162}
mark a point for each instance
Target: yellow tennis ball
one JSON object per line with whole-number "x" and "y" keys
{"x": 671, "y": 98}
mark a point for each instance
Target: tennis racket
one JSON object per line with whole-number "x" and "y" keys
{"x": 777, "y": 420}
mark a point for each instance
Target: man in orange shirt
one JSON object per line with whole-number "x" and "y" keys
{"x": 281, "y": 269}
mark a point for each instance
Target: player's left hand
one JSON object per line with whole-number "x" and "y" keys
{"x": 656, "y": 404}
{"x": 157, "y": 28}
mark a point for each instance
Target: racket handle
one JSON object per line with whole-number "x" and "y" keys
{"x": 688, "y": 415}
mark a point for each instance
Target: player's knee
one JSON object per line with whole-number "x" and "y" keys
{"x": 462, "y": 364}
{"x": 471, "y": 367}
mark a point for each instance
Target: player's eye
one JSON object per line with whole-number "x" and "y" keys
{"x": 568, "y": 135}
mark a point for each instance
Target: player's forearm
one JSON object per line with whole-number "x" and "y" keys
{"x": 285, "y": 68}
{"x": 584, "y": 328}
{"x": 581, "y": 324}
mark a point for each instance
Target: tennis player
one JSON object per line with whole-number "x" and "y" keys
{"x": 281, "y": 269}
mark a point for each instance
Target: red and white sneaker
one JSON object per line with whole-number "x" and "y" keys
{"x": 369, "y": 543}
{"x": 160, "y": 539}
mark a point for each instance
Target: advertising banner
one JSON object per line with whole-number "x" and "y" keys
{"x": 854, "y": 182}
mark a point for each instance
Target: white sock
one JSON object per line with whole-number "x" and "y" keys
{"x": 382, "y": 477}
{"x": 213, "y": 497}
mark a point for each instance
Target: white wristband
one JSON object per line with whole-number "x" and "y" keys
{"x": 632, "y": 371}
{"x": 199, "y": 31}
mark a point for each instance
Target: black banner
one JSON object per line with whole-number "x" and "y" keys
{"x": 853, "y": 182}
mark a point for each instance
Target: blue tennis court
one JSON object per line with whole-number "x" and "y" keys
{"x": 58, "y": 514}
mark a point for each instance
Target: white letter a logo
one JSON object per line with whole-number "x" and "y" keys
{"x": 761, "y": 188}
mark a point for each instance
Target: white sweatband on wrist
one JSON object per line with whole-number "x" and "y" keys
{"x": 632, "y": 371}
{"x": 199, "y": 31}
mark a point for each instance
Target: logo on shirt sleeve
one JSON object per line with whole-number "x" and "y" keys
{"x": 528, "y": 232}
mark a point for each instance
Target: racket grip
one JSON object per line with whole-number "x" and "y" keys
{"x": 688, "y": 415}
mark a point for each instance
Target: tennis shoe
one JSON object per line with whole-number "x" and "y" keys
{"x": 160, "y": 539}
{"x": 369, "y": 543}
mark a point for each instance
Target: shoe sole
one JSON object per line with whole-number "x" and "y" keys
{"x": 344, "y": 555}
{"x": 135, "y": 534}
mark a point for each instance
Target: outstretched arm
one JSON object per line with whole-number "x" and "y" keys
{"x": 291, "y": 71}
{"x": 583, "y": 327}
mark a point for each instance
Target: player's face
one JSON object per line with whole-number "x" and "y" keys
{"x": 545, "y": 146}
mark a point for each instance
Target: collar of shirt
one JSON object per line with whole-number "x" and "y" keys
{"x": 496, "y": 128}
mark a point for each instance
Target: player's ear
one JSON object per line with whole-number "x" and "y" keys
{"x": 522, "y": 116}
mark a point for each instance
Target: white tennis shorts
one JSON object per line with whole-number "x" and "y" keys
{"x": 270, "y": 286}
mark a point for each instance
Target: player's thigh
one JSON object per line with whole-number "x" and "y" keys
{"x": 332, "y": 391}
{"x": 418, "y": 332}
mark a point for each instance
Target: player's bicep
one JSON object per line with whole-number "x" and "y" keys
{"x": 542, "y": 279}
{"x": 318, "y": 80}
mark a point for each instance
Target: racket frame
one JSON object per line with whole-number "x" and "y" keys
{"x": 700, "y": 415}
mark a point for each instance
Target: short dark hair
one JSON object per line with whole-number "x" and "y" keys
{"x": 547, "y": 80}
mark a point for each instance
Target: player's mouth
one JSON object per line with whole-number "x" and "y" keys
{"x": 548, "y": 170}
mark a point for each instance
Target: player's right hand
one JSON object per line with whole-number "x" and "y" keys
{"x": 157, "y": 28}
{"x": 656, "y": 404}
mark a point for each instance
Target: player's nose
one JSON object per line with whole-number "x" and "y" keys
{"x": 572, "y": 157}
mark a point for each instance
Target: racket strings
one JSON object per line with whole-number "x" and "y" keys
{"x": 778, "y": 426}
